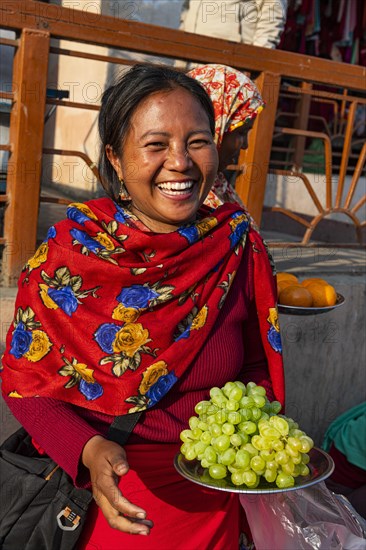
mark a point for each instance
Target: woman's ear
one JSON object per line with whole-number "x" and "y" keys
{"x": 114, "y": 160}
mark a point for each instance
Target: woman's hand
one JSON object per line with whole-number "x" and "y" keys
{"x": 107, "y": 462}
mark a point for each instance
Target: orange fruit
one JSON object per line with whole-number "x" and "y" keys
{"x": 283, "y": 275}
{"x": 284, "y": 283}
{"x": 311, "y": 280}
{"x": 323, "y": 295}
{"x": 295, "y": 295}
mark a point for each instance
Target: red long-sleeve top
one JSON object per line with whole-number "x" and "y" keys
{"x": 233, "y": 351}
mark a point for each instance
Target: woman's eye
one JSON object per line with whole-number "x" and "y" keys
{"x": 156, "y": 144}
{"x": 198, "y": 143}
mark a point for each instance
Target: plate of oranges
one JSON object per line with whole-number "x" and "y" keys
{"x": 307, "y": 297}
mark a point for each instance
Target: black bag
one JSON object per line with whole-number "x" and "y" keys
{"x": 40, "y": 507}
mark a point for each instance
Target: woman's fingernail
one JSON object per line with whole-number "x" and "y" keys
{"x": 142, "y": 532}
{"x": 141, "y": 515}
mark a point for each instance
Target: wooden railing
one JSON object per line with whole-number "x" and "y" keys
{"x": 36, "y": 23}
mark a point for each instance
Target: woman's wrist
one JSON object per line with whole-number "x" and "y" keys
{"x": 90, "y": 449}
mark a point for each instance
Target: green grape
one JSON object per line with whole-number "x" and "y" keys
{"x": 295, "y": 432}
{"x": 294, "y": 443}
{"x": 202, "y": 426}
{"x": 251, "y": 386}
{"x": 275, "y": 407}
{"x": 201, "y": 407}
{"x": 291, "y": 452}
{"x": 283, "y": 481}
{"x": 210, "y": 454}
{"x": 217, "y": 471}
{"x": 277, "y": 445}
{"x": 248, "y": 427}
{"x": 247, "y": 402}
{"x": 221, "y": 443}
{"x": 236, "y": 394}
{"x": 256, "y": 413}
{"x": 257, "y": 442}
{"x": 289, "y": 467}
{"x": 200, "y": 448}
{"x": 234, "y": 417}
{"x": 215, "y": 391}
{"x": 228, "y": 457}
{"x": 210, "y": 419}
{"x": 206, "y": 464}
{"x": 250, "y": 478}
{"x": 237, "y": 478}
{"x": 257, "y": 464}
{"x": 266, "y": 430}
{"x": 249, "y": 447}
{"x": 186, "y": 436}
{"x": 270, "y": 475}
{"x": 212, "y": 409}
{"x": 236, "y": 440}
{"x": 241, "y": 385}
{"x": 228, "y": 428}
{"x": 259, "y": 400}
{"x": 271, "y": 465}
{"x": 228, "y": 387}
{"x": 196, "y": 433}
{"x": 183, "y": 448}
{"x": 232, "y": 405}
{"x": 221, "y": 416}
{"x": 257, "y": 390}
{"x": 305, "y": 458}
{"x": 268, "y": 454}
{"x": 219, "y": 400}
{"x": 190, "y": 453}
{"x": 282, "y": 457}
{"x": 215, "y": 430}
{"x": 246, "y": 414}
{"x": 280, "y": 424}
{"x": 304, "y": 470}
{"x": 193, "y": 422}
{"x": 306, "y": 444}
{"x": 206, "y": 437}
{"x": 242, "y": 459}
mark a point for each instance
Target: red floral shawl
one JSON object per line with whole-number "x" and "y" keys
{"x": 108, "y": 316}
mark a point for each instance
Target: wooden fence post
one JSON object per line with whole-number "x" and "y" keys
{"x": 251, "y": 183}
{"x": 25, "y": 161}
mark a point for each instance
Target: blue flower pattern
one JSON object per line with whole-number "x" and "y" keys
{"x": 90, "y": 390}
{"x": 64, "y": 298}
{"x": 274, "y": 339}
{"x": 137, "y": 296}
{"x": 20, "y": 342}
{"x": 161, "y": 387}
{"x": 87, "y": 241}
{"x": 105, "y": 335}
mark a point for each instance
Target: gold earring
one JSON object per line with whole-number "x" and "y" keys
{"x": 123, "y": 193}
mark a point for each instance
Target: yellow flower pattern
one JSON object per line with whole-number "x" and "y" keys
{"x": 200, "y": 319}
{"x": 130, "y": 339}
{"x": 39, "y": 346}
{"x": 125, "y": 314}
{"x": 205, "y": 225}
{"x": 273, "y": 318}
{"x": 39, "y": 257}
{"x": 151, "y": 375}
{"x": 106, "y": 241}
{"x": 84, "y": 209}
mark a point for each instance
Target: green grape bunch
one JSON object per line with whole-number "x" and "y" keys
{"x": 239, "y": 434}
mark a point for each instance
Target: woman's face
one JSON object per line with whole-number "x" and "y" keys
{"x": 231, "y": 144}
{"x": 169, "y": 159}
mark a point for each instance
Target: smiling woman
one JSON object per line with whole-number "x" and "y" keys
{"x": 140, "y": 302}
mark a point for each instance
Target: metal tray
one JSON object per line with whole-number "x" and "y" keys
{"x": 321, "y": 466}
{"x": 295, "y": 310}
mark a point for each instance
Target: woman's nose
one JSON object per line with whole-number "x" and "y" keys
{"x": 178, "y": 159}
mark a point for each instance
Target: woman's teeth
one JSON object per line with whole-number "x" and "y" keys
{"x": 176, "y": 187}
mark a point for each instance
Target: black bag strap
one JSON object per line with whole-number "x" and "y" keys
{"x": 122, "y": 426}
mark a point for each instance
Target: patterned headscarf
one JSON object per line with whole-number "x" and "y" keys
{"x": 235, "y": 97}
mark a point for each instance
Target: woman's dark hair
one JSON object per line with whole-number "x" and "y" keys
{"x": 120, "y": 101}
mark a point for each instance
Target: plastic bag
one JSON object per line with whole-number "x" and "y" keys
{"x": 305, "y": 519}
